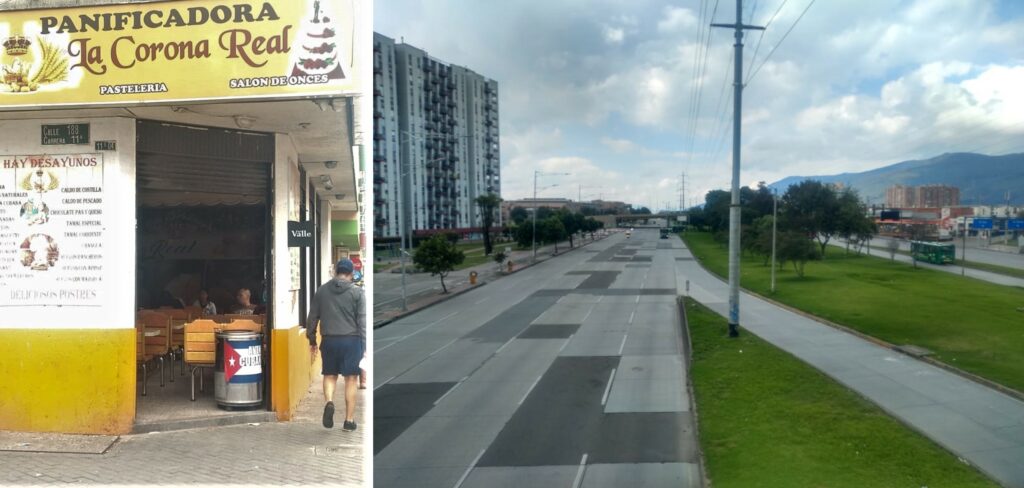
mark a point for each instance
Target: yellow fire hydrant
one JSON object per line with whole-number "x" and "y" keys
{"x": 472, "y": 277}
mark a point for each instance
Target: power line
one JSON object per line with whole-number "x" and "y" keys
{"x": 700, "y": 87}
{"x": 766, "y": 58}
{"x": 761, "y": 37}
{"x": 698, "y": 45}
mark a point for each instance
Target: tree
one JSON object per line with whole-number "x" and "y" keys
{"x": 573, "y": 223}
{"x": 519, "y": 215}
{"x": 812, "y": 207}
{"x": 758, "y": 238}
{"x": 641, "y": 211}
{"x": 853, "y": 224}
{"x": 543, "y": 213}
{"x": 892, "y": 245}
{"x": 552, "y": 230}
{"x": 716, "y": 210}
{"x": 439, "y": 257}
{"x": 487, "y": 203}
{"x": 524, "y": 234}
{"x": 795, "y": 247}
{"x": 500, "y": 257}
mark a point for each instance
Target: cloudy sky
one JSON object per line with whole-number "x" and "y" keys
{"x": 609, "y": 90}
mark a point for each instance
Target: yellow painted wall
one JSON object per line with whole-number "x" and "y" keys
{"x": 292, "y": 371}
{"x": 71, "y": 381}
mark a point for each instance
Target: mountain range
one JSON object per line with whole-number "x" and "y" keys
{"x": 982, "y": 179}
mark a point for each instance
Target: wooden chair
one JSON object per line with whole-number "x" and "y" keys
{"x": 157, "y": 336}
{"x": 141, "y": 358}
{"x": 178, "y": 318}
{"x": 200, "y": 349}
{"x": 242, "y": 324}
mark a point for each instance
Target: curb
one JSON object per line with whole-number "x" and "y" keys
{"x": 688, "y": 351}
{"x": 382, "y": 323}
{"x": 411, "y": 311}
{"x": 879, "y": 342}
{"x": 199, "y": 423}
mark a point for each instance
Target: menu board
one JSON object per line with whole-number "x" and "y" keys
{"x": 51, "y": 230}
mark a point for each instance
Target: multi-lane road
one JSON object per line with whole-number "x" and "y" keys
{"x": 570, "y": 373}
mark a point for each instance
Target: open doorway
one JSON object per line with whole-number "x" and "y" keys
{"x": 204, "y": 234}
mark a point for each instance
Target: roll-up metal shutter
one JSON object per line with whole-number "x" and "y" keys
{"x": 203, "y": 160}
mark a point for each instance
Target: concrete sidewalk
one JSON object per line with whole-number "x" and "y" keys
{"x": 300, "y": 452}
{"x": 424, "y": 290}
{"x": 982, "y": 426}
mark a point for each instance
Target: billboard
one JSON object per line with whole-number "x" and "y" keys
{"x": 176, "y": 51}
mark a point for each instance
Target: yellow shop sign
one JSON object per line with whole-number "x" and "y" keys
{"x": 176, "y": 51}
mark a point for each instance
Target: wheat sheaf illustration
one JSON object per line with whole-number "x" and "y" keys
{"x": 40, "y": 182}
{"x": 54, "y": 66}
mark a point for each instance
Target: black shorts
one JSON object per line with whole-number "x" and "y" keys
{"x": 341, "y": 354}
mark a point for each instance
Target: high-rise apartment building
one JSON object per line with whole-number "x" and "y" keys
{"x": 927, "y": 196}
{"x": 435, "y": 141}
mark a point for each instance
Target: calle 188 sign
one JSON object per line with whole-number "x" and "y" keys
{"x": 182, "y": 50}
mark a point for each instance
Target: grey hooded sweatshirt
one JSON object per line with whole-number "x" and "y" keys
{"x": 339, "y": 308}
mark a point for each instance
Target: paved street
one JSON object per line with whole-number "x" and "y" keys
{"x": 387, "y": 286}
{"x": 976, "y": 251}
{"x": 570, "y": 373}
{"x": 999, "y": 279}
{"x": 298, "y": 452}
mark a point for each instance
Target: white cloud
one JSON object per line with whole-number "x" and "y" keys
{"x": 614, "y": 35}
{"x": 676, "y": 19}
{"x": 619, "y": 145}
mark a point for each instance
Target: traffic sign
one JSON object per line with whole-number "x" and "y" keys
{"x": 981, "y": 224}
{"x": 1015, "y": 224}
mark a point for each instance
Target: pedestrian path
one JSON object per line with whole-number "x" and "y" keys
{"x": 982, "y": 426}
{"x": 298, "y": 452}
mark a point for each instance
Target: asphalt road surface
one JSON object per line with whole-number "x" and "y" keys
{"x": 570, "y": 373}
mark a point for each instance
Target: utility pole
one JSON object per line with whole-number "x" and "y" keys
{"x": 682, "y": 191}
{"x": 775, "y": 219}
{"x": 534, "y": 239}
{"x": 734, "y": 206}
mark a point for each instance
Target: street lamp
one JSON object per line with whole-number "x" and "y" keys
{"x": 534, "y": 236}
{"x": 401, "y": 203}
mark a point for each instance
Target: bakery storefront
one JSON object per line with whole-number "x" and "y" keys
{"x": 155, "y": 159}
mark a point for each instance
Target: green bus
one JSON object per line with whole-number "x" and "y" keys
{"x": 933, "y": 252}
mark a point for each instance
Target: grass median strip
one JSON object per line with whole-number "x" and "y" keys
{"x": 768, "y": 419}
{"x": 970, "y": 324}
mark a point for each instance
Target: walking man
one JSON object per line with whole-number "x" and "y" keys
{"x": 340, "y": 310}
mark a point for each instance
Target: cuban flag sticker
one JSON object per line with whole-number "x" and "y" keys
{"x": 243, "y": 361}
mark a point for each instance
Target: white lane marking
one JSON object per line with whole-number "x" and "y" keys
{"x": 587, "y": 316}
{"x": 470, "y": 468}
{"x": 638, "y": 299}
{"x": 464, "y": 378}
{"x": 503, "y": 345}
{"x": 623, "y": 346}
{"x": 482, "y": 301}
{"x": 443, "y": 347}
{"x": 579, "y": 473}
{"x": 385, "y": 382}
{"x": 608, "y": 389}
{"x": 446, "y": 317}
{"x": 631, "y": 315}
{"x": 566, "y": 343}
{"x": 599, "y": 298}
{"x": 534, "y": 385}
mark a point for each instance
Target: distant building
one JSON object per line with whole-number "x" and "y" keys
{"x": 595, "y": 206}
{"x": 937, "y": 196}
{"x": 436, "y": 131}
{"x": 529, "y": 203}
{"x": 899, "y": 196}
{"x": 927, "y": 196}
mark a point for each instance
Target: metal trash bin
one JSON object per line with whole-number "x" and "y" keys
{"x": 238, "y": 369}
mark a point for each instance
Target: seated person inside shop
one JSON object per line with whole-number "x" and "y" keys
{"x": 203, "y": 302}
{"x": 244, "y": 305}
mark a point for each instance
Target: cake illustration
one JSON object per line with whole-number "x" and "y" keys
{"x": 318, "y": 52}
